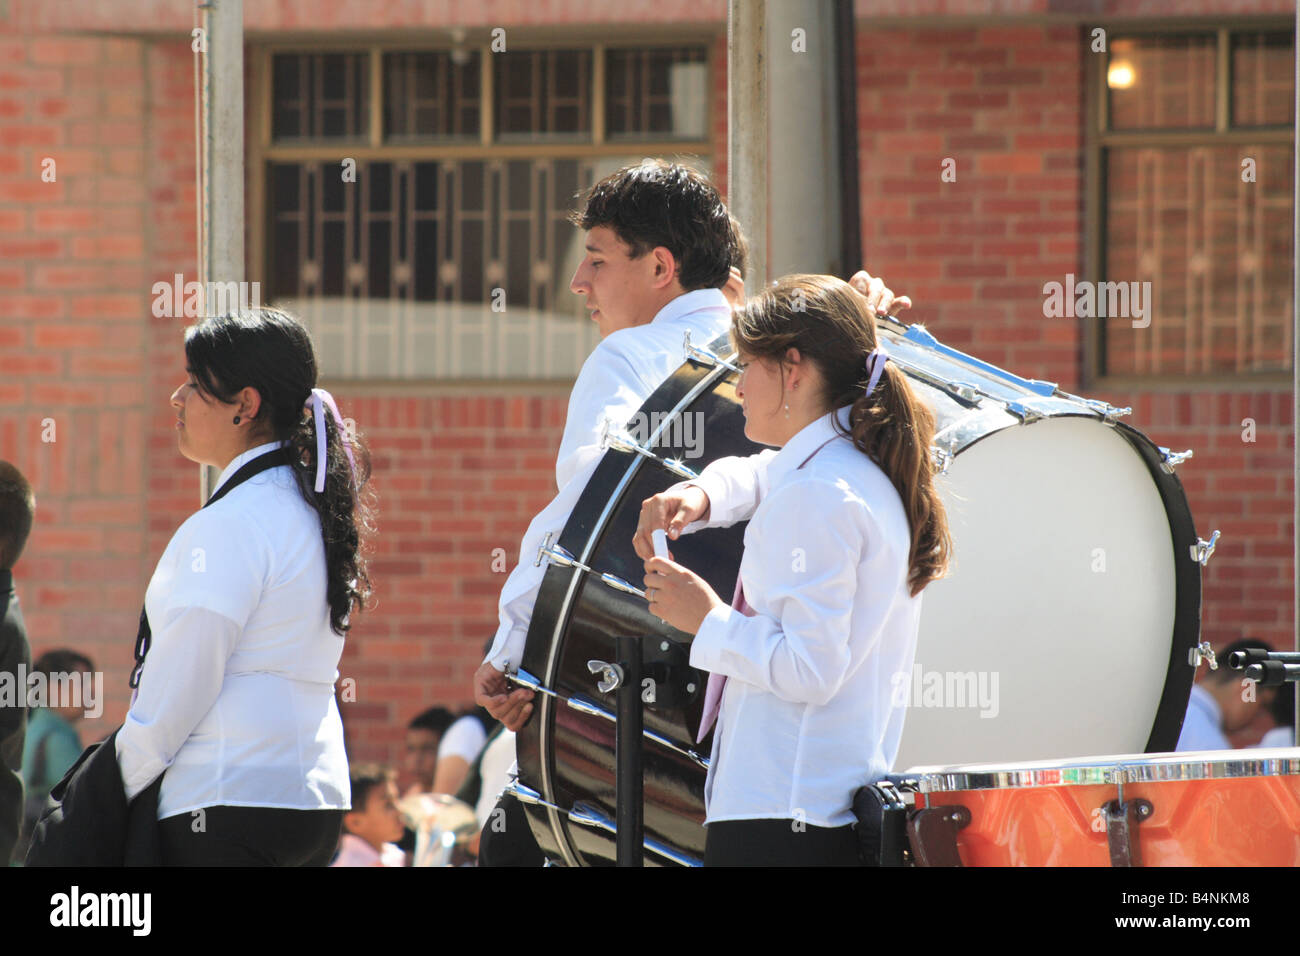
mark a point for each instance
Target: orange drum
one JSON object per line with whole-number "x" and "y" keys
{"x": 1200, "y": 808}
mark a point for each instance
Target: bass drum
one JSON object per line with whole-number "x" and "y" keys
{"x": 1064, "y": 628}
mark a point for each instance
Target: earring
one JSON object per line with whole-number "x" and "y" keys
{"x": 236, "y": 419}
{"x": 787, "y": 409}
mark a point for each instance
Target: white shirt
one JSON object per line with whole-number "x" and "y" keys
{"x": 808, "y": 715}
{"x": 495, "y": 772}
{"x": 236, "y": 698}
{"x": 615, "y": 381}
{"x": 1203, "y": 725}
{"x": 464, "y": 739}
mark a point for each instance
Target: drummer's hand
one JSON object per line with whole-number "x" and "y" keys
{"x": 734, "y": 290}
{"x": 678, "y": 595}
{"x": 880, "y": 299}
{"x": 671, "y": 511}
{"x": 511, "y": 707}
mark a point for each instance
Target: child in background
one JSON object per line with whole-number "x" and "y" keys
{"x": 374, "y": 823}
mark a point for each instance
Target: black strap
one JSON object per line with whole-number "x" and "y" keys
{"x": 261, "y": 463}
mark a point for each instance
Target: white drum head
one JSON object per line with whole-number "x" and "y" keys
{"x": 1051, "y": 636}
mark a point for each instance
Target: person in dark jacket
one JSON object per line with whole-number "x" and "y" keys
{"x": 17, "y": 509}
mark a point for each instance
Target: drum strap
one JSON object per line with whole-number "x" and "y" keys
{"x": 261, "y": 463}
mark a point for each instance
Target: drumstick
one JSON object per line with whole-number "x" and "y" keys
{"x": 660, "y": 538}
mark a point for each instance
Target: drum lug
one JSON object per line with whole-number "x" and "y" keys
{"x": 554, "y": 554}
{"x": 611, "y": 676}
{"x": 1023, "y": 412}
{"x": 1202, "y": 550}
{"x": 932, "y": 834}
{"x": 616, "y": 437}
{"x": 1122, "y": 819}
{"x": 942, "y": 459}
{"x": 705, "y": 356}
{"x": 1202, "y": 652}
{"x": 1172, "y": 459}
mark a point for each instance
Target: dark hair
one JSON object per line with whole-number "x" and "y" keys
{"x": 828, "y": 322}
{"x": 656, "y": 203}
{"x": 435, "y": 719}
{"x": 739, "y": 251}
{"x": 365, "y": 778}
{"x": 269, "y": 350}
{"x": 62, "y": 661}
{"x": 17, "y": 509}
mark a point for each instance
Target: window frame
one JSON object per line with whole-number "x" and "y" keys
{"x": 261, "y": 149}
{"x": 1098, "y": 139}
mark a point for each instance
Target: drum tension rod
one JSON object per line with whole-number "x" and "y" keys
{"x": 584, "y": 706}
{"x": 1202, "y": 550}
{"x": 555, "y": 554}
{"x": 1171, "y": 459}
{"x": 705, "y": 356}
{"x": 586, "y": 816}
{"x": 613, "y": 435}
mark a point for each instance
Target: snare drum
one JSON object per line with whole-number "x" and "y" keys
{"x": 1198, "y": 808}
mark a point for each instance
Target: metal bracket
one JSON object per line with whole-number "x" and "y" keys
{"x": 616, "y": 437}
{"x": 1122, "y": 820}
{"x": 932, "y": 833}
{"x": 1202, "y": 549}
{"x": 942, "y": 459}
{"x": 705, "y": 356}
{"x": 1202, "y": 652}
{"x": 611, "y": 675}
{"x": 1171, "y": 459}
{"x": 554, "y": 554}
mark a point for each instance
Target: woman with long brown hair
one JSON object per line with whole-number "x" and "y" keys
{"x": 846, "y": 528}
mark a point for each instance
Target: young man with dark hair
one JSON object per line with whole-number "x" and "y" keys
{"x": 17, "y": 511}
{"x": 660, "y": 247}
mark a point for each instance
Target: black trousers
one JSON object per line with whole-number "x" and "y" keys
{"x": 507, "y": 839}
{"x": 250, "y": 836}
{"x": 779, "y": 843}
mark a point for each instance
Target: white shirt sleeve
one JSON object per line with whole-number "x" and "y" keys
{"x": 207, "y": 584}
{"x": 604, "y": 388}
{"x": 735, "y": 487}
{"x": 797, "y": 646}
{"x": 464, "y": 739}
{"x": 184, "y": 672}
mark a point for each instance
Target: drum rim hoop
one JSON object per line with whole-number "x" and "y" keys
{"x": 1277, "y": 762}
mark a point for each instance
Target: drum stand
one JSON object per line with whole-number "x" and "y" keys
{"x": 629, "y": 795}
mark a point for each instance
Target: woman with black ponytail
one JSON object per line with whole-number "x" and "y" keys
{"x": 247, "y": 610}
{"x": 846, "y": 528}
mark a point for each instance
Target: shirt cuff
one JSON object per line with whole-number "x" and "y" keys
{"x": 706, "y": 649}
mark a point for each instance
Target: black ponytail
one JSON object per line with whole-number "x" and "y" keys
{"x": 270, "y": 351}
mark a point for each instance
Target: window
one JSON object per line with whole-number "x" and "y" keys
{"x": 1195, "y": 155}
{"x": 414, "y": 202}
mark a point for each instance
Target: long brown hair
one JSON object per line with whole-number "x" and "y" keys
{"x": 828, "y": 322}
